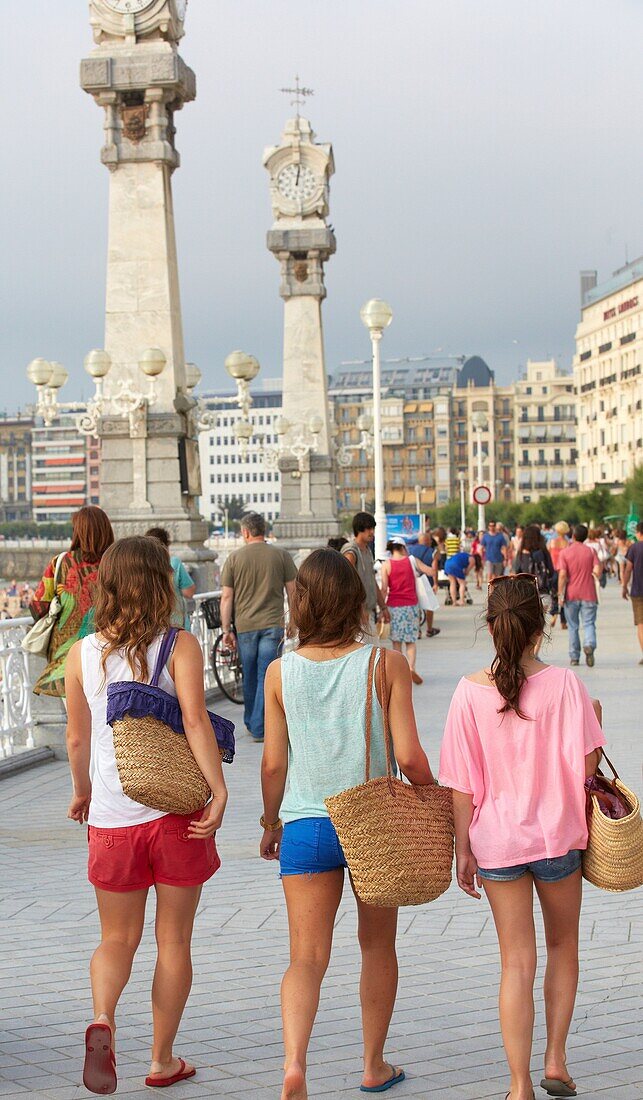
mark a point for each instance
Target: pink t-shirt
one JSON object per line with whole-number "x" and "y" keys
{"x": 526, "y": 776}
{"x": 578, "y": 560}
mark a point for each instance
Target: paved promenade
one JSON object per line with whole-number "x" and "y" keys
{"x": 444, "y": 1030}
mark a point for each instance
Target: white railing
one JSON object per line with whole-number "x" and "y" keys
{"x": 16, "y": 688}
{"x": 206, "y": 637}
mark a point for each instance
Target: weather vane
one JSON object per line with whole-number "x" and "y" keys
{"x": 299, "y": 93}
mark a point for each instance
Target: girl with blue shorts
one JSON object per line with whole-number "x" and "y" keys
{"x": 314, "y": 748}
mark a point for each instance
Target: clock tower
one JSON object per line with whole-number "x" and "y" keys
{"x": 301, "y": 241}
{"x": 149, "y": 463}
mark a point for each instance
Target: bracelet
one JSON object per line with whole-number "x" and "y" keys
{"x": 276, "y": 825}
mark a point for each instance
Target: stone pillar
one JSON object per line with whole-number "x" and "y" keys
{"x": 149, "y": 458}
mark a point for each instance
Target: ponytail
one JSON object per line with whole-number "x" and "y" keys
{"x": 515, "y": 616}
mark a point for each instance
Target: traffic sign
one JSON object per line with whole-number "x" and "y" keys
{"x": 481, "y": 494}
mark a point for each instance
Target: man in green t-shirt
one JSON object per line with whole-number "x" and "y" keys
{"x": 253, "y": 582}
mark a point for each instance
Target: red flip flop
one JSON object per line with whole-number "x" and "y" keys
{"x": 165, "y": 1082}
{"x": 99, "y": 1073}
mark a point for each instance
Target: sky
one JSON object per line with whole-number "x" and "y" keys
{"x": 486, "y": 151}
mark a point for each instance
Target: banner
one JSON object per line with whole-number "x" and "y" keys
{"x": 409, "y": 527}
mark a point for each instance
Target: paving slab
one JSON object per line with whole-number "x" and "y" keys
{"x": 445, "y": 1027}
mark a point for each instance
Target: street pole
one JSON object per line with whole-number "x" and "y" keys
{"x": 481, "y": 515}
{"x": 380, "y": 512}
{"x": 418, "y": 502}
{"x": 463, "y": 512}
{"x": 362, "y": 501}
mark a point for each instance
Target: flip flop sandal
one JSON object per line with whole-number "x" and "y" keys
{"x": 555, "y": 1086}
{"x": 165, "y": 1082}
{"x": 394, "y": 1080}
{"x": 99, "y": 1072}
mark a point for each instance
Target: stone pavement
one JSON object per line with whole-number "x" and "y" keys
{"x": 444, "y": 1030}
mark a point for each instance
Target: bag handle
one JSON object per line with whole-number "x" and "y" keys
{"x": 604, "y": 756}
{"x": 164, "y": 652}
{"x": 369, "y": 713}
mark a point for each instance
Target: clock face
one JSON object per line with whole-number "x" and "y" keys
{"x": 297, "y": 183}
{"x": 128, "y": 7}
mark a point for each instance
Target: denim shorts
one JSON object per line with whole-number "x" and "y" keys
{"x": 309, "y": 846}
{"x": 545, "y": 870}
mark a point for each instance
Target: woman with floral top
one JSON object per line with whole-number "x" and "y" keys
{"x": 72, "y": 577}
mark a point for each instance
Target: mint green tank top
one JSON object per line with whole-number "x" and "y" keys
{"x": 325, "y": 706}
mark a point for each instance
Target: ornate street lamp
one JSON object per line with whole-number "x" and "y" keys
{"x": 377, "y": 315}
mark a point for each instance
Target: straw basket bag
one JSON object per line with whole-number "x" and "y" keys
{"x": 614, "y": 856}
{"x": 154, "y": 760}
{"x": 397, "y": 837}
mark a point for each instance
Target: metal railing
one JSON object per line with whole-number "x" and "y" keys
{"x": 206, "y": 637}
{"x": 16, "y": 688}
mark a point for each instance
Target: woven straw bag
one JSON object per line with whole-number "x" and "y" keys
{"x": 397, "y": 837}
{"x": 154, "y": 760}
{"x": 614, "y": 856}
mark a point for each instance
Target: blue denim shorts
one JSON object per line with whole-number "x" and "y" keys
{"x": 545, "y": 870}
{"x": 309, "y": 846}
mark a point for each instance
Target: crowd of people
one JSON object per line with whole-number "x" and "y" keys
{"x": 521, "y": 737}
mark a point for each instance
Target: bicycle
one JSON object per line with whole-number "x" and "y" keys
{"x": 225, "y": 660}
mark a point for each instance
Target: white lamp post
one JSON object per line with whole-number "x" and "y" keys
{"x": 479, "y": 422}
{"x": 418, "y": 501}
{"x": 377, "y": 315}
{"x": 463, "y": 510}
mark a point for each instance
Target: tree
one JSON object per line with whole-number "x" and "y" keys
{"x": 633, "y": 491}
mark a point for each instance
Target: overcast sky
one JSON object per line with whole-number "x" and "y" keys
{"x": 486, "y": 151}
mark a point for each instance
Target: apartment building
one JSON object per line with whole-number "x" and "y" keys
{"x": 544, "y": 432}
{"x": 415, "y": 433}
{"x": 65, "y": 469}
{"x": 226, "y": 473}
{"x": 15, "y": 468}
{"x": 609, "y": 378}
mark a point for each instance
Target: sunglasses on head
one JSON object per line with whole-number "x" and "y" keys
{"x": 513, "y": 577}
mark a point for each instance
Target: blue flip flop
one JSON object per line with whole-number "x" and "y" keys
{"x": 394, "y": 1080}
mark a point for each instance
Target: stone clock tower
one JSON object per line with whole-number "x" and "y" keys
{"x": 301, "y": 241}
{"x": 149, "y": 462}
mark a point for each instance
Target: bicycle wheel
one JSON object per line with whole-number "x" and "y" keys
{"x": 228, "y": 672}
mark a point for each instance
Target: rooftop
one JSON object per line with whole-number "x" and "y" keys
{"x": 625, "y": 276}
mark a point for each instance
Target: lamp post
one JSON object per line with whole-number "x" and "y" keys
{"x": 479, "y": 422}
{"x": 418, "y": 502}
{"x": 377, "y": 315}
{"x": 463, "y": 511}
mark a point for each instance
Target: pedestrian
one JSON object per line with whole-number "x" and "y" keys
{"x": 253, "y": 582}
{"x": 633, "y": 571}
{"x": 327, "y": 676}
{"x": 579, "y": 568}
{"x": 336, "y": 543}
{"x": 532, "y": 556}
{"x": 398, "y": 589}
{"x": 477, "y": 550}
{"x": 596, "y": 542}
{"x": 359, "y": 553}
{"x": 495, "y": 550}
{"x": 457, "y": 567}
{"x": 519, "y": 741}
{"x": 556, "y": 547}
{"x": 72, "y": 577}
{"x": 453, "y": 542}
{"x": 425, "y": 551}
{"x": 622, "y": 545}
{"x": 132, "y": 847}
{"x": 184, "y": 586}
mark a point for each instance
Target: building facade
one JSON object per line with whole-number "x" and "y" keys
{"x": 609, "y": 380}
{"x": 545, "y": 432}
{"x": 226, "y": 473}
{"x": 65, "y": 470}
{"x": 15, "y": 468}
{"x": 477, "y": 398}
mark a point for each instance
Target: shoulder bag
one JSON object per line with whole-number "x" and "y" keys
{"x": 36, "y": 640}
{"x": 155, "y": 763}
{"x": 427, "y": 598}
{"x": 613, "y": 859}
{"x": 397, "y": 837}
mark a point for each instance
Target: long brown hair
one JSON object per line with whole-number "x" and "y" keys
{"x": 516, "y": 618}
{"x": 91, "y": 533}
{"x": 329, "y": 601}
{"x": 134, "y": 599}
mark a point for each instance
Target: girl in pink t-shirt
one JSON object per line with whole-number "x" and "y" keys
{"x": 520, "y": 739}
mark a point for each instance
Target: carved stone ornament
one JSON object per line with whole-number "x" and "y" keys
{"x": 300, "y": 271}
{"x": 134, "y": 120}
{"x": 136, "y": 19}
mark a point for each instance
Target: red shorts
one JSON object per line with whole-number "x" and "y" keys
{"x": 137, "y": 856}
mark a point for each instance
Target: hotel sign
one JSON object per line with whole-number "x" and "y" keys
{"x": 623, "y": 308}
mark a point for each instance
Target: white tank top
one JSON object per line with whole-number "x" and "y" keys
{"x": 110, "y": 808}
